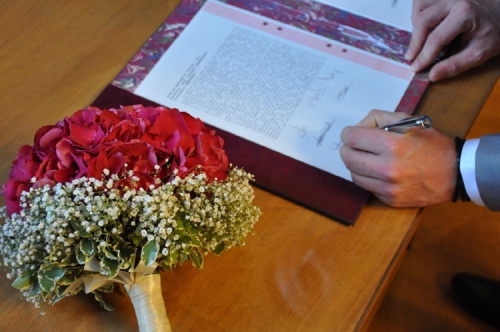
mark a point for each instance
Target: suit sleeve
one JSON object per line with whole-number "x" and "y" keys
{"x": 487, "y": 166}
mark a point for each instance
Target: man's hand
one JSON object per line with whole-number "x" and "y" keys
{"x": 417, "y": 168}
{"x": 437, "y": 22}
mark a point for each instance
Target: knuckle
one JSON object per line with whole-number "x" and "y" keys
{"x": 421, "y": 19}
{"x": 462, "y": 9}
{"x": 452, "y": 69}
{"x": 392, "y": 196}
{"x": 435, "y": 39}
{"x": 350, "y": 138}
{"x": 393, "y": 173}
{"x": 477, "y": 56}
{"x": 394, "y": 147}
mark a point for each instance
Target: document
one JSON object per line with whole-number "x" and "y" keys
{"x": 396, "y": 13}
{"x": 281, "y": 87}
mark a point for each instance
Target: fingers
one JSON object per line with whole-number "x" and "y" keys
{"x": 377, "y": 118}
{"x": 424, "y": 21}
{"x": 360, "y": 162}
{"x": 384, "y": 191}
{"x": 469, "y": 57}
{"x": 366, "y": 139}
{"x": 418, "y": 6}
{"x": 363, "y": 136}
{"x": 441, "y": 36}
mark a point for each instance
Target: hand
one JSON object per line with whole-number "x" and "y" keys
{"x": 437, "y": 22}
{"x": 417, "y": 168}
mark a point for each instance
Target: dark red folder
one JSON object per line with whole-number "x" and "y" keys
{"x": 301, "y": 183}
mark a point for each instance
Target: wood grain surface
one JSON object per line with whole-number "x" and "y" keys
{"x": 299, "y": 272}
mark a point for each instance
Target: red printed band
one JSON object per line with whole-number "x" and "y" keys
{"x": 317, "y": 18}
{"x": 310, "y": 40}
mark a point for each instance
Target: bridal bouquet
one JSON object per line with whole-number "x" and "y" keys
{"x": 112, "y": 196}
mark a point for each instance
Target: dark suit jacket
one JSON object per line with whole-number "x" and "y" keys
{"x": 488, "y": 170}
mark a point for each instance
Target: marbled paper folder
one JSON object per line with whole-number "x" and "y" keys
{"x": 279, "y": 79}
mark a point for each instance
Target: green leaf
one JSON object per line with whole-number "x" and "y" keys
{"x": 35, "y": 290}
{"x": 80, "y": 256}
{"x": 87, "y": 247}
{"x": 150, "y": 252}
{"x": 165, "y": 265}
{"x": 187, "y": 241}
{"x": 126, "y": 257}
{"x": 219, "y": 249}
{"x": 54, "y": 274}
{"x": 138, "y": 227}
{"x": 183, "y": 258}
{"x": 24, "y": 281}
{"x": 195, "y": 242}
{"x": 174, "y": 254}
{"x": 192, "y": 229}
{"x": 81, "y": 230}
{"x": 110, "y": 254}
{"x": 196, "y": 258}
{"x": 108, "y": 288}
{"x": 46, "y": 284}
{"x": 65, "y": 280}
{"x": 59, "y": 295}
{"x": 180, "y": 223}
{"x": 99, "y": 298}
{"x": 136, "y": 239}
{"x": 69, "y": 260}
{"x": 48, "y": 267}
{"x": 111, "y": 265}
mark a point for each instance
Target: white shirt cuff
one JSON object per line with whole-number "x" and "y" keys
{"x": 468, "y": 170}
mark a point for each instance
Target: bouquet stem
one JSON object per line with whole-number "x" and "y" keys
{"x": 148, "y": 303}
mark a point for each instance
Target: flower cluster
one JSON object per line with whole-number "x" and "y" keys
{"x": 63, "y": 227}
{"x": 116, "y": 189}
{"x": 146, "y": 139}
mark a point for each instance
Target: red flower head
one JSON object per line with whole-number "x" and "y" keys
{"x": 153, "y": 142}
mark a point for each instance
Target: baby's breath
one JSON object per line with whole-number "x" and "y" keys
{"x": 46, "y": 245}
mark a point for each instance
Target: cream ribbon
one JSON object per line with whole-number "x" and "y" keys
{"x": 143, "y": 287}
{"x": 148, "y": 304}
{"x": 93, "y": 282}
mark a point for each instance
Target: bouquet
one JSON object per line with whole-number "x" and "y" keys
{"x": 109, "y": 197}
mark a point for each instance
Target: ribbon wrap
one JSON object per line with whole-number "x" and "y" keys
{"x": 148, "y": 304}
{"x": 143, "y": 287}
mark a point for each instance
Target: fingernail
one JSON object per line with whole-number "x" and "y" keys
{"x": 407, "y": 55}
{"x": 414, "y": 66}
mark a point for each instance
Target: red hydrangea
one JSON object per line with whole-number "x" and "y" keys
{"x": 153, "y": 142}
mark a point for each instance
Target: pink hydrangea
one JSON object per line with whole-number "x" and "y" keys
{"x": 153, "y": 142}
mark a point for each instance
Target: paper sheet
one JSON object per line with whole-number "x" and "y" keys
{"x": 396, "y": 13}
{"x": 278, "y": 86}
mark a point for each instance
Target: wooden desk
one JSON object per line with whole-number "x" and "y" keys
{"x": 300, "y": 272}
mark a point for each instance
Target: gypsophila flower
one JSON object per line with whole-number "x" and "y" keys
{"x": 148, "y": 201}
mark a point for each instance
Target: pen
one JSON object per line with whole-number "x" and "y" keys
{"x": 417, "y": 121}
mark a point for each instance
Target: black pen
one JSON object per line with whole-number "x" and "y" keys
{"x": 417, "y": 121}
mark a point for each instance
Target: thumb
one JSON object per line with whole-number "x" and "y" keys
{"x": 456, "y": 64}
{"x": 377, "y": 118}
